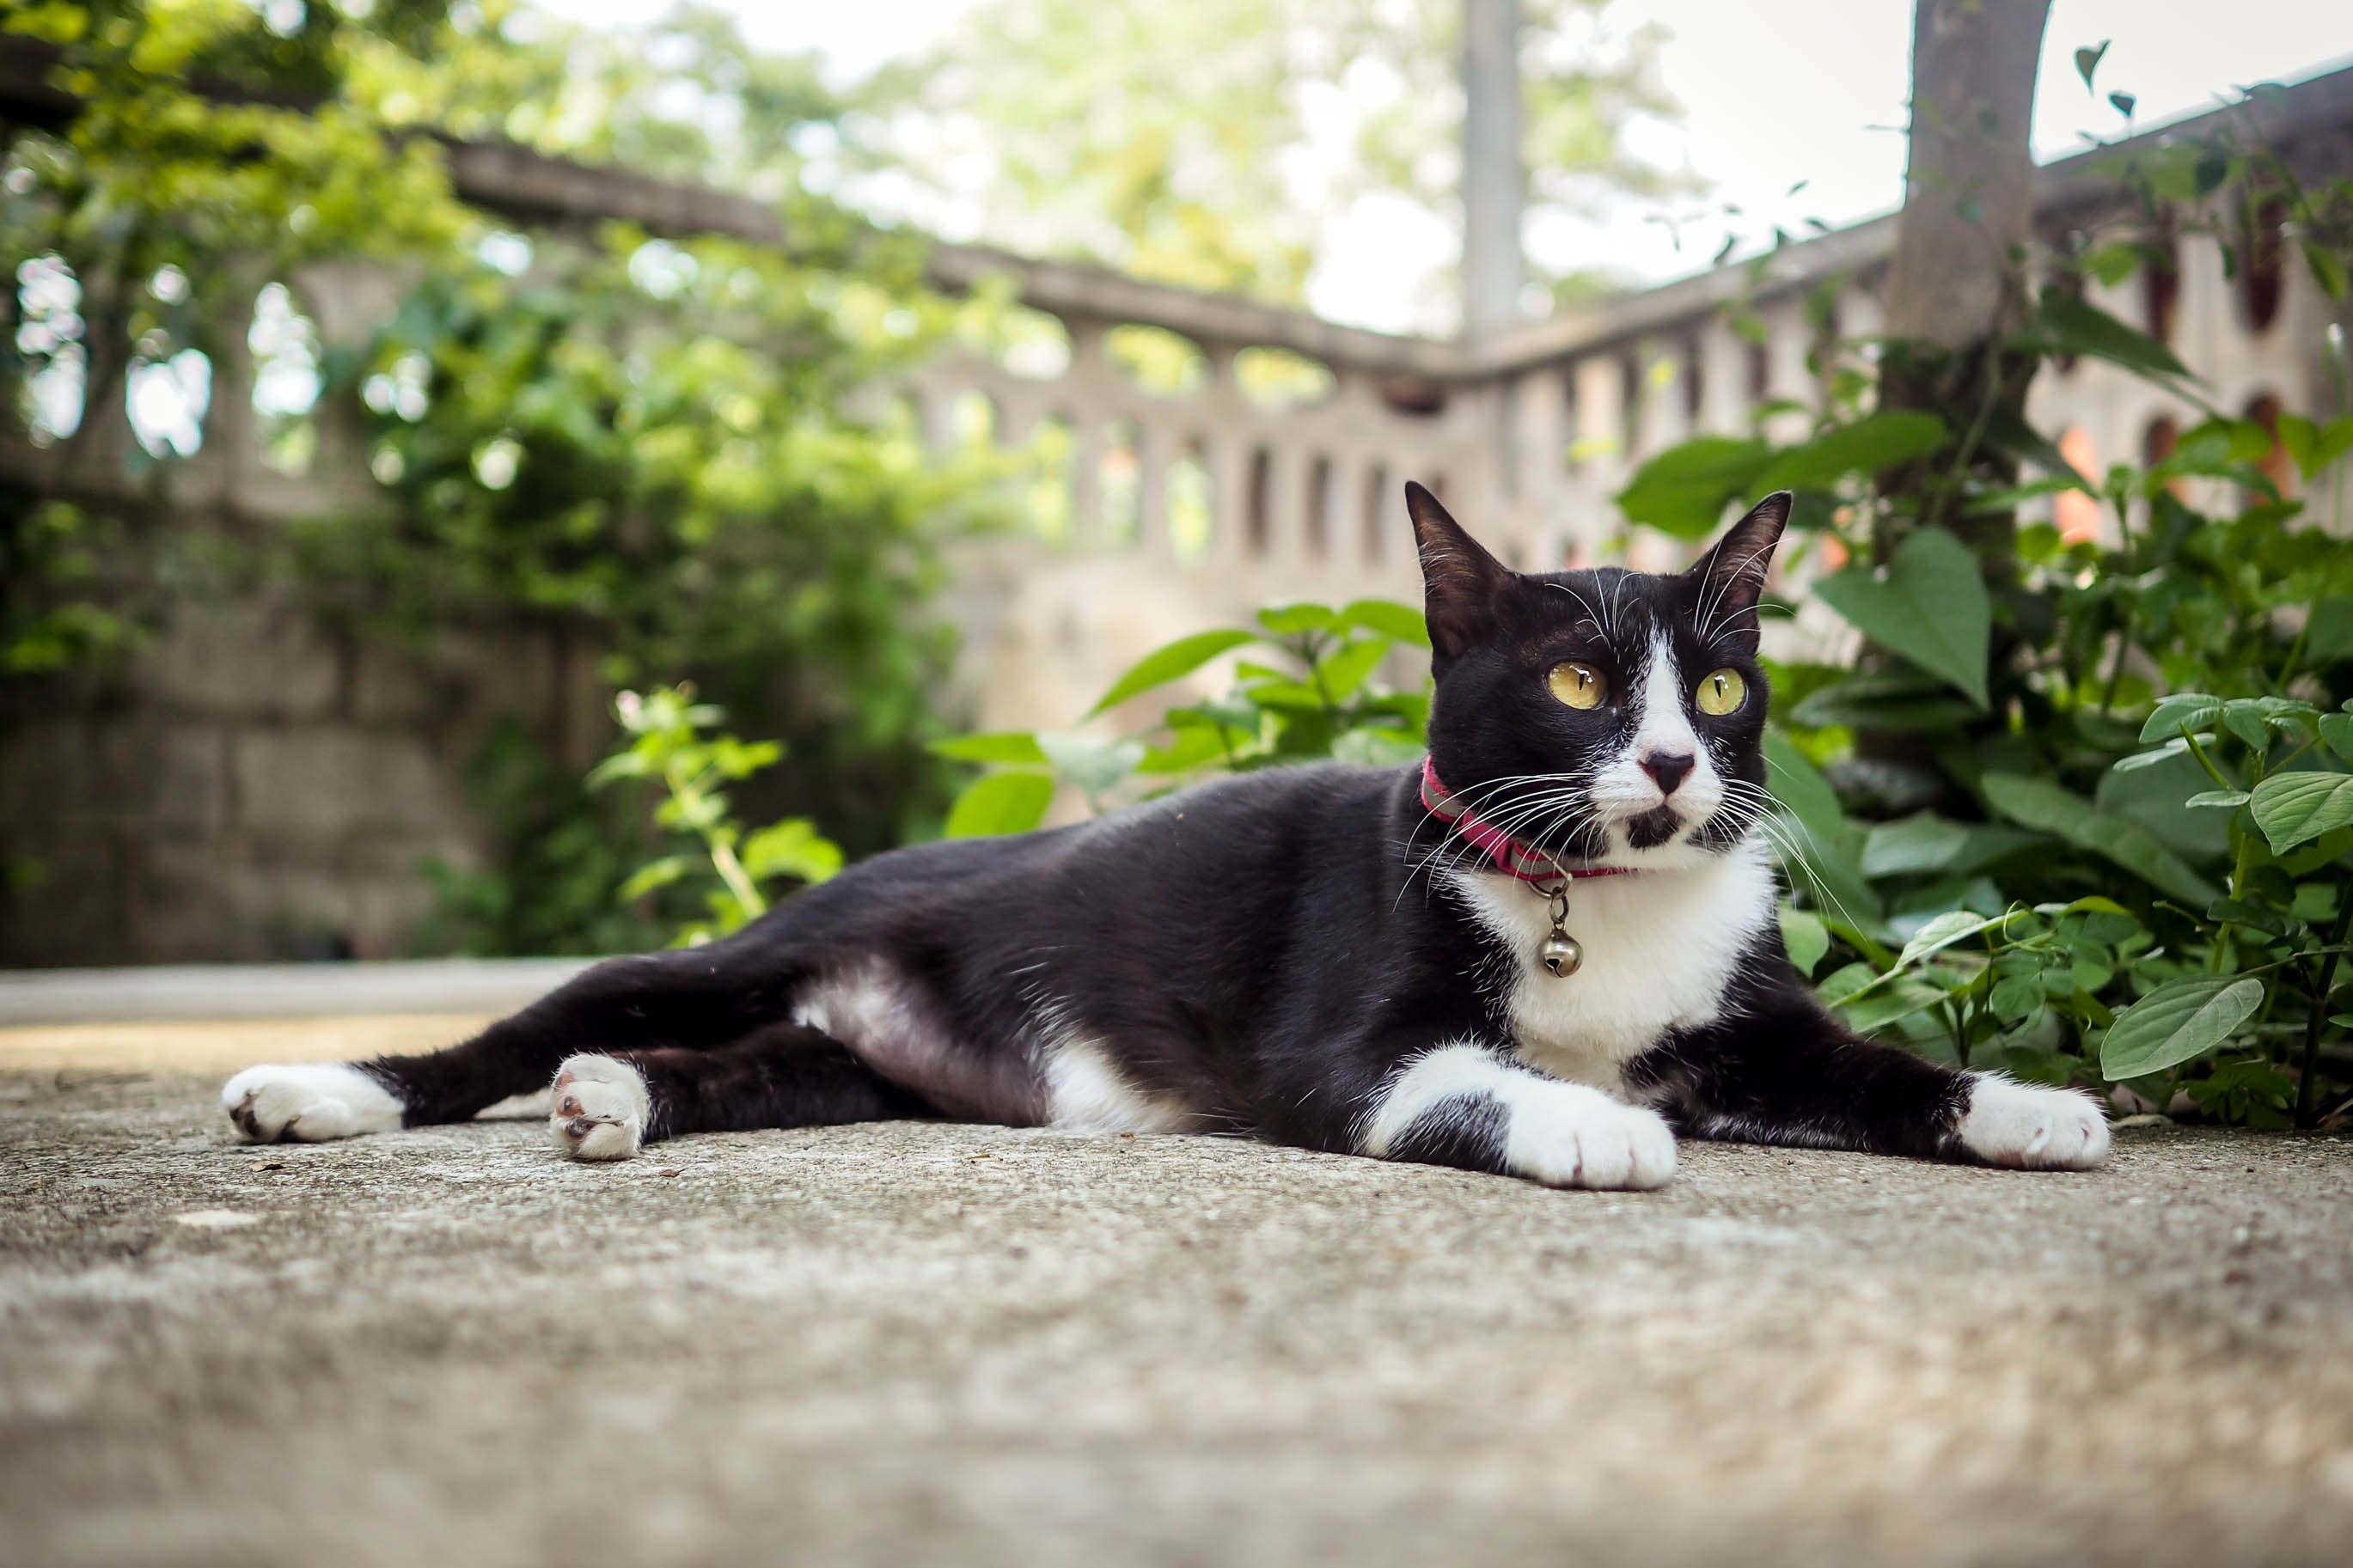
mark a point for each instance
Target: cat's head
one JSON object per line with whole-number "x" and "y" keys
{"x": 1607, "y": 716}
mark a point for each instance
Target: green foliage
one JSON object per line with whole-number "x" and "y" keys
{"x": 2084, "y": 811}
{"x": 562, "y": 854}
{"x": 715, "y": 861}
{"x": 1158, "y": 138}
{"x": 644, "y": 447}
{"x": 1321, "y": 698}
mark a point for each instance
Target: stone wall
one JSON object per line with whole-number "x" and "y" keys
{"x": 259, "y": 785}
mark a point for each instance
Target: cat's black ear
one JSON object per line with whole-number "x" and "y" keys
{"x": 1731, "y": 577}
{"x": 1460, "y": 581}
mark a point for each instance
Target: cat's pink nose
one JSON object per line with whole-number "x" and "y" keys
{"x": 1668, "y": 769}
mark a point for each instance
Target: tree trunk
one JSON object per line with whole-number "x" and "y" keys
{"x": 1494, "y": 178}
{"x": 1958, "y": 285}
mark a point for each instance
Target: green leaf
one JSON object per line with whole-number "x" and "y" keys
{"x": 1826, "y": 849}
{"x": 2071, "y": 324}
{"x": 2329, "y": 637}
{"x": 1340, "y": 673}
{"x": 1870, "y": 444}
{"x": 2245, "y": 720}
{"x": 1399, "y": 622}
{"x": 793, "y": 847}
{"x": 2255, "y": 917}
{"x": 2218, "y": 800}
{"x": 1292, "y": 620}
{"x": 1685, "y": 489}
{"x": 997, "y": 803}
{"x": 2176, "y": 747}
{"x": 1002, "y": 746}
{"x": 2179, "y": 1020}
{"x": 1893, "y": 700}
{"x": 653, "y": 873}
{"x": 2016, "y": 998}
{"x": 2042, "y": 805}
{"x": 2327, "y": 269}
{"x": 1925, "y": 843}
{"x": 1092, "y": 763}
{"x": 2337, "y": 731}
{"x": 1163, "y": 665}
{"x": 1952, "y": 926}
{"x": 1376, "y": 748}
{"x": 2191, "y": 710}
{"x": 1806, "y": 938}
{"x": 2292, "y": 808}
{"x": 1931, "y": 607}
{"x": 1797, "y": 784}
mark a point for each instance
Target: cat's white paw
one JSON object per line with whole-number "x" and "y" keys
{"x": 2027, "y": 1127}
{"x": 601, "y": 1109}
{"x": 308, "y": 1102}
{"x": 1566, "y": 1135}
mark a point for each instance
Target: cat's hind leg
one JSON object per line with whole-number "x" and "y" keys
{"x": 691, "y": 998}
{"x": 609, "y": 1105}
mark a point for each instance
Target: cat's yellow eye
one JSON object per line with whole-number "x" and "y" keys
{"x": 1721, "y": 692}
{"x": 1578, "y": 686}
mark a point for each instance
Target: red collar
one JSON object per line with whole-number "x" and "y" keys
{"x": 1510, "y": 856}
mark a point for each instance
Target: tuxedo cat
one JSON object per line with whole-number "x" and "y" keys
{"x": 1545, "y": 951}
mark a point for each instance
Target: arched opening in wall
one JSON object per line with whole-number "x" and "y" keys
{"x": 1053, "y": 450}
{"x": 1377, "y": 513}
{"x": 1277, "y": 379}
{"x": 1031, "y": 344}
{"x": 1163, "y": 362}
{"x": 1629, "y": 404}
{"x": 52, "y": 338}
{"x": 1572, "y": 452}
{"x": 2066, "y": 280}
{"x": 1758, "y": 357}
{"x": 2075, "y": 514}
{"x": 972, "y": 419}
{"x": 167, "y": 390}
{"x": 2263, "y": 261}
{"x": 1693, "y": 376}
{"x": 1192, "y": 516}
{"x": 1256, "y": 525}
{"x": 284, "y": 341}
{"x": 2158, "y": 440}
{"x": 2160, "y": 280}
{"x": 1119, "y": 484}
{"x": 1319, "y": 508}
{"x": 1413, "y": 396}
{"x": 2264, "y": 409}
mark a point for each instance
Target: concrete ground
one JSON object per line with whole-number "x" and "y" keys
{"x": 912, "y": 1345}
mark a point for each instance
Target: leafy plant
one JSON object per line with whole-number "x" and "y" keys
{"x": 2021, "y": 849}
{"x": 728, "y": 869}
{"x": 1305, "y": 685}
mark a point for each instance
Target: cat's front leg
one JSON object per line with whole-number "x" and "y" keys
{"x": 1464, "y": 1105}
{"x": 1791, "y": 1075}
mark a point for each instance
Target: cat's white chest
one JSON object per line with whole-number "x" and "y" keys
{"x": 1659, "y": 948}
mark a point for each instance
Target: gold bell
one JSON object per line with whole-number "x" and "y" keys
{"x": 1561, "y": 954}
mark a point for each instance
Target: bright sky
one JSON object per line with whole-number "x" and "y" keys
{"x": 1773, "y": 91}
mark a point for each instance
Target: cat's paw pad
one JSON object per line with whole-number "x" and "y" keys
{"x": 601, "y": 1109}
{"x": 1585, "y": 1139}
{"x": 308, "y": 1102}
{"x": 2027, "y": 1127}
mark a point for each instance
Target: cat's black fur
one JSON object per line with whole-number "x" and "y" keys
{"x": 1264, "y": 956}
